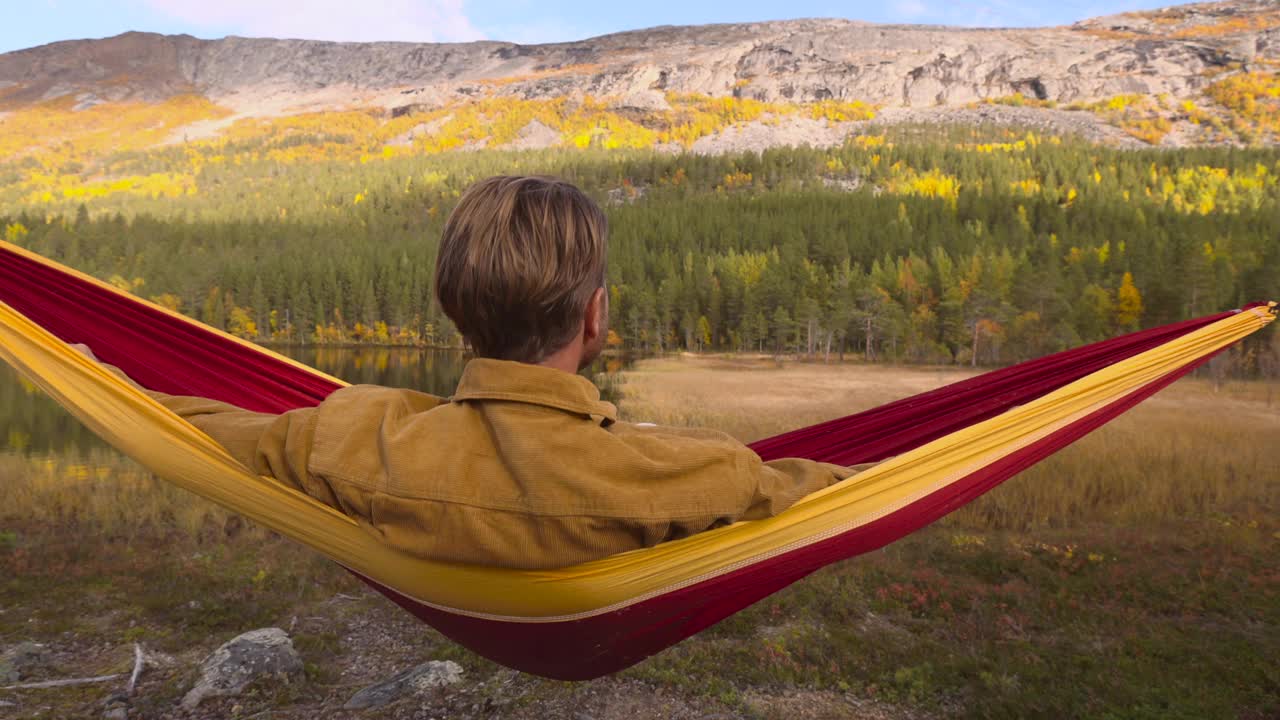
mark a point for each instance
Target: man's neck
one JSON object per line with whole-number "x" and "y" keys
{"x": 567, "y": 358}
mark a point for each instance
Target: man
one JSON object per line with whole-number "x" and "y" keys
{"x": 524, "y": 466}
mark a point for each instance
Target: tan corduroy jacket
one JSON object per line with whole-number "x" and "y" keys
{"x": 523, "y": 467}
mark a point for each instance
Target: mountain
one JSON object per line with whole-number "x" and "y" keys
{"x": 912, "y": 72}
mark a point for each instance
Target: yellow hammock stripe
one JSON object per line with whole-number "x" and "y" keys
{"x": 176, "y": 451}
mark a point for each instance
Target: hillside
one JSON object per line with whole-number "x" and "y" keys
{"x": 1169, "y": 51}
{"x": 1186, "y": 75}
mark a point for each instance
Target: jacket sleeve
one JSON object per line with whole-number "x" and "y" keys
{"x": 781, "y": 483}
{"x": 710, "y": 479}
{"x": 275, "y": 445}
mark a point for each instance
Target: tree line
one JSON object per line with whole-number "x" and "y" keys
{"x": 961, "y": 246}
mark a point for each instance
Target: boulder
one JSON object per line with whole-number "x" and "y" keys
{"x": 17, "y": 662}
{"x": 258, "y": 654}
{"x": 414, "y": 680}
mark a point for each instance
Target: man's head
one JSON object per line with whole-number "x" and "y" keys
{"x": 521, "y": 270}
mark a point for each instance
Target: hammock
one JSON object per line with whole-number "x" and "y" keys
{"x": 947, "y": 447}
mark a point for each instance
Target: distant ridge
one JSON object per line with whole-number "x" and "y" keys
{"x": 1166, "y": 51}
{"x": 1174, "y": 53}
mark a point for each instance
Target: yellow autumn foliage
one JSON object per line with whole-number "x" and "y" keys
{"x": 932, "y": 184}
{"x": 1141, "y": 116}
{"x": 1254, "y": 101}
{"x": 68, "y": 136}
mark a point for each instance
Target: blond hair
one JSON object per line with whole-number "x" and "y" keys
{"x": 519, "y": 260}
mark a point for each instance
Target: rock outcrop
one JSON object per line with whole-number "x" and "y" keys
{"x": 1171, "y": 51}
{"x": 534, "y": 136}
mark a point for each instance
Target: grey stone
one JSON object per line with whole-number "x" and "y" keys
{"x": 428, "y": 675}
{"x": 257, "y": 654}
{"x": 17, "y": 662}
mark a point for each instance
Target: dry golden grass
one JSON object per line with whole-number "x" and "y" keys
{"x": 756, "y": 397}
{"x": 1192, "y": 450}
{"x": 101, "y": 494}
{"x": 1195, "y": 449}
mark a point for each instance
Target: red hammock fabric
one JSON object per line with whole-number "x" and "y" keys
{"x": 174, "y": 355}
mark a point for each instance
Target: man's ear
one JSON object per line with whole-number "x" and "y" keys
{"x": 593, "y": 318}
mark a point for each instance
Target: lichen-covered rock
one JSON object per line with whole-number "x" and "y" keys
{"x": 17, "y": 662}
{"x": 423, "y": 677}
{"x": 257, "y": 654}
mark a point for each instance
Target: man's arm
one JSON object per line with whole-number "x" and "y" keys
{"x": 705, "y": 478}
{"x": 274, "y": 445}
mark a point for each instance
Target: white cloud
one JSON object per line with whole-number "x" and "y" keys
{"x": 908, "y": 9}
{"x": 365, "y": 20}
{"x": 997, "y": 13}
{"x": 535, "y": 33}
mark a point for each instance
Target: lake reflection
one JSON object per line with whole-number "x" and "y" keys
{"x": 32, "y": 423}
{"x": 433, "y": 371}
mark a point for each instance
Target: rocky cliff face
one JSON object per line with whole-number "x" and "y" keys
{"x": 1171, "y": 51}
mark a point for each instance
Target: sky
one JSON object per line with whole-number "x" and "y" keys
{"x": 27, "y": 23}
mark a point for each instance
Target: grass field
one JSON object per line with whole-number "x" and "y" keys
{"x": 1195, "y": 450}
{"x": 1133, "y": 575}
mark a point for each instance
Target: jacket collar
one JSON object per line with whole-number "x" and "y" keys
{"x": 486, "y": 379}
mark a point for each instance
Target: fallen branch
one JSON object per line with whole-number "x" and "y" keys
{"x": 137, "y": 669}
{"x": 61, "y": 683}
